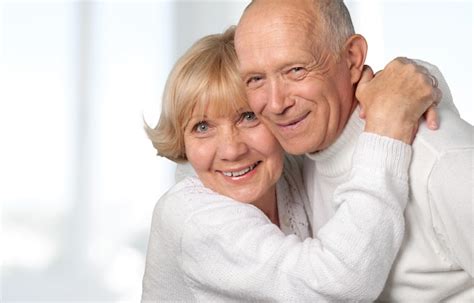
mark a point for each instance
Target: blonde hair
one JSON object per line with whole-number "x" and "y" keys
{"x": 207, "y": 74}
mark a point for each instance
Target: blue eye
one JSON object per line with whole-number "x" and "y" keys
{"x": 201, "y": 127}
{"x": 249, "y": 116}
{"x": 248, "y": 119}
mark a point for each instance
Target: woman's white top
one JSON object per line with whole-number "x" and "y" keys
{"x": 209, "y": 248}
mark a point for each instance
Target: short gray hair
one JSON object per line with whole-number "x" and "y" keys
{"x": 335, "y": 18}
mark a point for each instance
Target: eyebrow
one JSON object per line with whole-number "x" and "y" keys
{"x": 282, "y": 66}
{"x": 195, "y": 118}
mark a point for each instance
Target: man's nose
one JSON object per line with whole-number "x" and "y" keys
{"x": 232, "y": 146}
{"x": 277, "y": 100}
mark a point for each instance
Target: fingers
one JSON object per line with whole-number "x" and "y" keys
{"x": 431, "y": 79}
{"x": 437, "y": 96}
{"x": 434, "y": 97}
{"x": 403, "y": 60}
{"x": 431, "y": 116}
{"x": 394, "y": 101}
{"x": 367, "y": 75}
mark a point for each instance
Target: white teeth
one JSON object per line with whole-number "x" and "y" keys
{"x": 240, "y": 172}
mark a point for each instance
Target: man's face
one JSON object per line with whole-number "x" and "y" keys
{"x": 304, "y": 97}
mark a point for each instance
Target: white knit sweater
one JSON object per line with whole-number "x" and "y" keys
{"x": 435, "y": 262}
{"x": 206, "y": 247}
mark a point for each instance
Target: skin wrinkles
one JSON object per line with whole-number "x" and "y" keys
{"x": 320, "y": 100}
{"x": 217, "y": 144}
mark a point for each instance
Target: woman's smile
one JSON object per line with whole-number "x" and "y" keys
{"x": 240, "y": 171}
{"x": 234, "y": 154}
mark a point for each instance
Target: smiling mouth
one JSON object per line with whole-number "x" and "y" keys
{"x": 294, "y": 122}
{"x": 242, "y": 171}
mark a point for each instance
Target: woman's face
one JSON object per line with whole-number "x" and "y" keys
{"x": 234, "y": 155}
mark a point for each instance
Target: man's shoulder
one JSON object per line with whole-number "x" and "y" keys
{"x": 453, "y": 134}
{"x": 447, "y": 99}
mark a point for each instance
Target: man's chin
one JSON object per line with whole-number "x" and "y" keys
{"x": 295, "y": 148}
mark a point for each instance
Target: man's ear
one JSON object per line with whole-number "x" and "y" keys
{"x": 355, "y": 50}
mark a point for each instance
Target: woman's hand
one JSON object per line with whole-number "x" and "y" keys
{"x": 393, "y": 100}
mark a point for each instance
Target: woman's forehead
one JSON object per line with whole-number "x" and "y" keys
{"x": 219, "y": 107}
{"x": 218, "y": 110}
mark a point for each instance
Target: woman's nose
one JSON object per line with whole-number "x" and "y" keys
{"x": 232, "y": 146}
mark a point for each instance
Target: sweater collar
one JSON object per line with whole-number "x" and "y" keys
{"x": 337, "y": 158}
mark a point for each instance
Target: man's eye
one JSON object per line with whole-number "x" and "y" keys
{"x": 253, "y": 80}
{"x": 201, "y": 127}
{"x": 296, "y": 70}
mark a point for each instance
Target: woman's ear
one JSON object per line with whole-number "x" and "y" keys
{"x": 355, "y": 50}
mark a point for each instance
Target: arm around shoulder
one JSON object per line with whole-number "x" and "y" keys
{"x": 231, "y": 251}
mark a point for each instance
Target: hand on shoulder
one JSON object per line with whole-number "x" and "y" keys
{"x": 393, "y": 100}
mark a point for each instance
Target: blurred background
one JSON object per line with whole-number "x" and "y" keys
{"x": 78, "y": 177}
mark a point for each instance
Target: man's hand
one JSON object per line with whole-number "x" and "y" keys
{"x": 393, "y": 100}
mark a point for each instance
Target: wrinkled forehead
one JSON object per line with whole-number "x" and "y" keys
{"x": 273, "y": 46}
{"x": 272, "y": 34}
{"x": 262, "y": 16}
{"x": 272, "y": 26}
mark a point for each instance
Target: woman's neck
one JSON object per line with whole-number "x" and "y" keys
{"x": 268, "y": 204}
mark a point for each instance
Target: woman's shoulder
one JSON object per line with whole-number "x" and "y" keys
{"x": 183, "y": 197}
{"x": 190, "y": 198}
{"x": 188, "y": 185}
{"x": 178, "y": 203}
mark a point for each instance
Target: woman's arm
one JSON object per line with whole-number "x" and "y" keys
{"x": 231, "y": 251}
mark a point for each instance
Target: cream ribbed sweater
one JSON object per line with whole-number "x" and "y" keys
{"x": 435, "y": 261}
{"x": 208, "y": 248}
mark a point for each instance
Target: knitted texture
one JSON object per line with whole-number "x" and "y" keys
{"x": 435, "y": 260}
{"x": 206, "y": 247}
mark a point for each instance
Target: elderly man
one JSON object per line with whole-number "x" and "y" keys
{"x": 303, "y": 68}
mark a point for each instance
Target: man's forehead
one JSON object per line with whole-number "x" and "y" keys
{"x": 277, "y": 37}
{"x": 273, "y": 24}
{"x": 273, "y": 58}
{"x": 272, "y": 33}
{"x": 277, "y": 11}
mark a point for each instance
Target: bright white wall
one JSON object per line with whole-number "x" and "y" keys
{"x": 78, "y": 178}
{"x": 437, "y": 31}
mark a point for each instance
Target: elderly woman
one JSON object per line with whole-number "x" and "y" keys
{"x": 240, "y": 230}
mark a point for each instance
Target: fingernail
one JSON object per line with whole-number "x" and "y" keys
{"x": 434, "y": 125}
